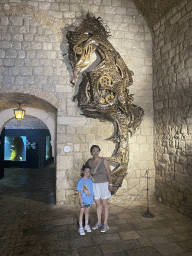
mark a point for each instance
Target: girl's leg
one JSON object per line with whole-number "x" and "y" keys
{"x": 99, "y": 209}
{"x": 86, "y": 216}
{"x": 81, "y": 217}
{"x": 106, "y": 210}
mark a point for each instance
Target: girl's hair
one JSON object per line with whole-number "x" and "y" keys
{"x": 83, "y": 168}
{"x": 94, "y": 146}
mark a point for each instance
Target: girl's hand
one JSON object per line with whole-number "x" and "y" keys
{"x": 81, "y": 203}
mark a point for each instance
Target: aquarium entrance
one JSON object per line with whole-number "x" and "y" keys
{"x": 26, "y": 147}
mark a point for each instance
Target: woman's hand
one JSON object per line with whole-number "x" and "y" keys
{"x": 110, "y": 187}
{"x": 108, "y": 172}
{"x": 81, "y": 203}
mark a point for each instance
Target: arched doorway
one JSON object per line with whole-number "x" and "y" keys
{"x": 27, "y": 156}
{"x": 29, "y": 169}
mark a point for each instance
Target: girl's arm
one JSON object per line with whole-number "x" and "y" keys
{"x": 108, "y": 172}
{"x": 80, "y": 201}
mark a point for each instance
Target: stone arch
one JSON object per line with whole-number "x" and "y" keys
{"x": 47, "y": 118}
{"x": 35, "y": 106}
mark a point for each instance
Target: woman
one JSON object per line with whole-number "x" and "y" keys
{"x": 102, "y": 185}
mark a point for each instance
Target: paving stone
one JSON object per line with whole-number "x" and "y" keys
{"x": 127, "y": 226}
{"x": 93, "y": 250}
{"x": 144, "y": 225}
{"x": 54, "y": 246}
{"x": 178, "y": 237}
{"x": 65, "y": 253}
{"x": 162, "y": 239}
{"x": 144, "y": 251}
{"x": 186, "y": 245}
{"x": 186, "y": 254}
{"x": 116, "y": 247}
{"x": 106, "y": 238}
{"x": 28, "y": 250}
{"x": 117, "y": 222}
{"x": 64, "y": 221}
{"x": 155, "y": 232}
{"x": 128, "y": 235}
{"x": 28, "y": 226}
{"x": 145, "y": 241}
{"x": 169, "y": 249}
{"x": 81, "y": 242}
{"x": 117, "y": 254}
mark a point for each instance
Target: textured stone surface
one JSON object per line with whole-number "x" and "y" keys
{"x": 33, "y": 225}
{"x": 33, "y": 63}
{"x": 172, "y": 108}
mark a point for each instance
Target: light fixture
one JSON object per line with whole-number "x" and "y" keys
{"x": 19, "y": 113}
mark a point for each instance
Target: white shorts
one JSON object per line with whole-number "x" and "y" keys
{"x": 100, "y": 190}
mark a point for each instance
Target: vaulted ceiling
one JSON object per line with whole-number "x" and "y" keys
{"x": 154, "y": 10}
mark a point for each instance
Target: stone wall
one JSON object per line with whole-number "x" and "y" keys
{"x": 27, "y": 123}
{"x": 32, "y": 60}
{"x": 172, "y": 90}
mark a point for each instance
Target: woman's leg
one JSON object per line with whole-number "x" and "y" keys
{"x": 81, "y": 217}
{"x": 86, "y": 216}
{"x": 99, "y": 209}
{"x": 106, "y": 210}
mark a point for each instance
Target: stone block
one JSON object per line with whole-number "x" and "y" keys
{"x": 178, "y": 168}
{"x": 156, "y": 26}
{"x": 21, "y": 54}
{"x": 19, "y": 80}
{"x": 13, "y": 71}
{"x": 97, "y": 2}
{"x": 16, "y": 21}
{"x": 175, "y": 18}
{"x": 180, "y": 196}
{"x": 64, "y": 138}
{"x": 64, "y": 162}
{"x": 147, "y": 70}
{"x": 110, "y": 10}
{"x": 9, "y": 53}
{"x": 28, "y": 37}
{"x": 133, "y": 28}
{"x": 8, "y": 62}
{"x": 2, "y": 54}
{"x": 64, "y": 7}
{"x": 143, "y": 165}
{"x": 76, "y": 147}
{"x": 166, "y": 48}
{"x": 165, "y": 158}
{"x": 71, "y": 129}
{"x": 188, "y": 62}
{"x": 189, "y": 6}
{"x": 69, "y": 14}
{"x": 134, "y": 148}
{"x": 146, "y": 131}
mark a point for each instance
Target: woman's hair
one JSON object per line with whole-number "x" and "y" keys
{"x": 94, "y": 146}
{"x": 83, "y": 168}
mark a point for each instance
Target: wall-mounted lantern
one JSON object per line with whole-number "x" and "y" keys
{"x": 19, "y": 113}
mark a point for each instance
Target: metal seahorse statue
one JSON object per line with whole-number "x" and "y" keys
{"x": 103, "y": 92}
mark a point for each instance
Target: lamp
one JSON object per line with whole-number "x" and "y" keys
{"x": 19, "y": 113}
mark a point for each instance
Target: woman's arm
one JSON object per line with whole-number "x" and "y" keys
{"x": 108, "y": 172}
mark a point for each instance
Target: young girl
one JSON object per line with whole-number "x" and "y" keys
{"x": 85, "y": 192}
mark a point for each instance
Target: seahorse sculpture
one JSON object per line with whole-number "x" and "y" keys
{"x": 103, "y": 92}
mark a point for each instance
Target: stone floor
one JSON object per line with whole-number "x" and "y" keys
{"x": 33, "y": 225}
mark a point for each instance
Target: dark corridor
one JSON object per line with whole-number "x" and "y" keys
{"x": 34, "y": 184}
